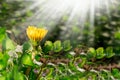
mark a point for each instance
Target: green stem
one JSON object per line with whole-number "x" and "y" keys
{"x": 28, "y": 71}
{"x": 73, "y": 60}
{"x": 40, "y": 72}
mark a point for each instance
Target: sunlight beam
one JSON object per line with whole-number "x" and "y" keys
{"x": 78, "y": 12}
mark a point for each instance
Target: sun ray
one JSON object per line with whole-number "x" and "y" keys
{"x": 78, "y": 12}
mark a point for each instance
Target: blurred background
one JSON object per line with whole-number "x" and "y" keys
{"x": 93, "y": 23}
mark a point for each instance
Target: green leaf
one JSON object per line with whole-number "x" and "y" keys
{"x": 14, "y": 74}
{"x": 19, "y": 76}
{"x": 100, "y": 53}
{"x": 116, "y": 73}
{"x": 66, "y": 45}
{"x": 82, "y": 63}
{"x": 109, "y": 52}
{"x": 57, "y": 46}
{"x": 8, "y": 44}
{"x": 2, "y": 34}
{"x": 3, "y": 60}
{"x": 91, "y": 53}
{"x": 27, "y": 47}
{"x": 27, "y": 59}
{"x": 48, "y": 46}
{"x": 72, "y": 66}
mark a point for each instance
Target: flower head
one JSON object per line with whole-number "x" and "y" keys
{"x": 36, "y": 34}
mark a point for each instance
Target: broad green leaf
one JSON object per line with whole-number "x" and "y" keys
{"x": 27, "y": 47}
{"x": 100, "y": 53}
{"x": 14, "y": 74}
{"x": 57, "y": 46}
{"x": 2, "y": 34}
{"x": 3, "y": 60}
{"x": 109, "y": 52}
{"x": 66, "y": 45}
{"x": 27, "y": 59}
{"x": 7, "y": 44}
{"x": 48, "y": 46}
{"x": 91, "y": 53}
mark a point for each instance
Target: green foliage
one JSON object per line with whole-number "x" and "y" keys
{"x": 69, "y": 56}
{"x": 2, "y": 34}
{"x": 8, "y": 44}
{"x": 14, "y": 74}
{"x": 116, "y": 73}
{"x": 10, "y": 15}
{"x": 2, "y": 78}
{"x": 27, "y": 47}
{"x": 27, "y": 59}
{"x": 58, "y": 61}
{"x": 72, "y": 66}
{"x": 109, "y": 52}
{"x": 57, "y": 46}
{"x": 66, "y": 45}
{"x": 91, "y": 53}
{"x": 3, "y": 60}
{"x": 48, "y": 46}
{"x": 100, "y": 53}
{"x": 82, "y": 63}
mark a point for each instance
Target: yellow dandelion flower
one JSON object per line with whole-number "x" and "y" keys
{"x": 36, "y": 34}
